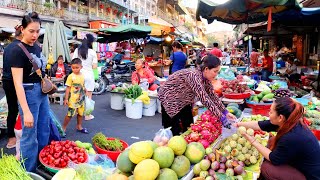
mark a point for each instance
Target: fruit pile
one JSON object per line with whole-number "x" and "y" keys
{"x": 234, "y": 86}
{"x": 255, "y": 118}
{"x": 238, "y": 148}
{"x": 147, "y": 160}
{"x": 59, "y": 153}
{"x": 264, "y": 96}
{"x": 282, "y": 93}
{"x": 206, "y": 130}
{"x": 233, "y": 155}
{"x": 212, "y": 164}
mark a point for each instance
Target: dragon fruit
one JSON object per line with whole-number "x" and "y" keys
{"x": 205, "y": 143}
{"x": 205, "y": 134}
{"x": 194, "y": 136}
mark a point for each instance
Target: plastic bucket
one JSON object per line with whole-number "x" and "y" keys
{"x": 150, "y": 109}
{"x": 116, "y": 101}
{"x": 159, "y": 105}
{"x": 134, "y": 110}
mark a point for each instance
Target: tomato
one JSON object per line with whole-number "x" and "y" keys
{"x": 51, "y": 151}
{"x": 66, "y": 158}
{"x": 42, "y": 154}
{"x": 73, "y": 144}
{"x": 81, "y": 150}
{"x": 56, "y": 155}
{"x": 72, "y": 156}
{"x": 67, "y": 141}
{"x": 76, "y": 149}
{"x": 62, "y": 143}
{"x": 63, "y": 149}
{"x": 67, "y": 146}
{"x": 63, "y": 164}
{"x": 80, "y": 154}
{"x": 45, "y": 159}
{"x": 53, "y": 142}
{"x": 57, "y": 162}
{"x": 80, "y": 159}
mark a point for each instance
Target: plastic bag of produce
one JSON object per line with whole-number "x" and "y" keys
{"x": 101, "y": 160}
{"x": 162, "y": 136}
{"x": 87, "y": 172}
{"x": 89, "y": 106}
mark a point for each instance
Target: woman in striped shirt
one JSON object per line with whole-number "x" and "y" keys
{"x": 179, "y": 92}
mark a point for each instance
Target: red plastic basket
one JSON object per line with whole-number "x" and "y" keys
{"x": 113, "y": 155}
{"x": 262, "y": 109}
{"x": 316, "y": 133}
{"x": 148, "y": 59}
{"x": 237, "y": 95}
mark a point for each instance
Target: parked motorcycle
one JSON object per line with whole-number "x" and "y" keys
{"x": 113, "y": 73}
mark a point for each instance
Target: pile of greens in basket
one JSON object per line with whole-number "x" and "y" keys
{"x": 11, "y": 168}
{"x": 102, "y": 142}
{"x": 133, "y": 92}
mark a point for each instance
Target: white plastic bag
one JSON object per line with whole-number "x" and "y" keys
{"x": 89, "y": 106}
{"x": 163, "y": 136}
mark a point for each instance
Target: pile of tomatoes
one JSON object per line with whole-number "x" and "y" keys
{"x": 59, "y": 153}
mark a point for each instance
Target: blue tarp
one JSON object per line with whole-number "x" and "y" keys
{"x": 303, "y": 17}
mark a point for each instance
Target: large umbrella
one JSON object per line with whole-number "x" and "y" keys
{"x": 242, "y": 11}
{"x": 46, "y": 40}
{"x": 59, "y": 41}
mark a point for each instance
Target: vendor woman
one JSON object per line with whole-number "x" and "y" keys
{"x": 182, "y": 88}
{"x": 294, "y": 153}
{"x": 144, "y": 74}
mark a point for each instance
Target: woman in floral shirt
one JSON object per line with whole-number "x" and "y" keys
{"x": 178, "y": 94}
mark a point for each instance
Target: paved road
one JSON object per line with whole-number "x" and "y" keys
{"x": 110, "y": 122}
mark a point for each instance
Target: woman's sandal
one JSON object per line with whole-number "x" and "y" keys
{"x": 83, "y": 130}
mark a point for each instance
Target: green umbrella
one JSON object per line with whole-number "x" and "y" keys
{"x": 64, "y": 42}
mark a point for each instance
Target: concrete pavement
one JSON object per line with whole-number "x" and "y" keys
{"x": 110, "y": 122}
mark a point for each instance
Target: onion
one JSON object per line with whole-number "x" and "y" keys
{"x": 212, "y": 172}
{"x": 223, "y": 159}
{"x": 238, "y": 170}
{"x": 222, "y": 166}
{"x": 241, "y": 163}
{"x": 215, "y": 165}
{"x": 229, "y": 164}
{"x": 221, "y": 171}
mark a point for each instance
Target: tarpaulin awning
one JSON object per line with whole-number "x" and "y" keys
{"x": 127, "y": 28}
{"x": 159, "y": 26}
{"x": 124, "y": 32}
{"x": 242, "y": 11}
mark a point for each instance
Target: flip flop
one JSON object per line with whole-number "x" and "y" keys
{"x": 83, "y": 130}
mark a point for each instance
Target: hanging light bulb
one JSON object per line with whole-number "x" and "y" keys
{"x": 168, "y": 39}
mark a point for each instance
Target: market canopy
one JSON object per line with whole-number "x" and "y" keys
{"x": 127, "y": 28}
{"x": 242, "y": 11}
{"x": 124, "y": 32}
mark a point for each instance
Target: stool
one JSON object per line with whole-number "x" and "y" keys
{"x": 58, "y": 95}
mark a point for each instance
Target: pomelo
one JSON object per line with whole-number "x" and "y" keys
{"x": 164, "y": 156}
{"x": 140, "y": 151}
{"x": 181, "y": 165}
{"x": 195, "y": 152}
{"x": 123, "y": 162}
{"x": 178, "y": 144}
{"x": 147, "y": 169}
{"x": 167, "y": 174}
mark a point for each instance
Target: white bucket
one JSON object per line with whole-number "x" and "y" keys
{"x": 133, "y": 110}
{"x": 159, "y": 105}
{"x": 150, "y": 109}
{"x": 117, "y": 101}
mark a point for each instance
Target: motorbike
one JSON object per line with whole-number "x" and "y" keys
{"x": 113, "y": 73}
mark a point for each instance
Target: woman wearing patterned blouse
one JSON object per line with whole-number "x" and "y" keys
{"x": 178, "y": 94}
